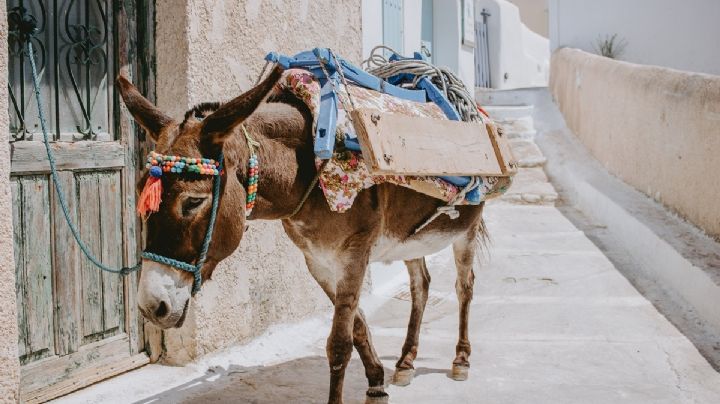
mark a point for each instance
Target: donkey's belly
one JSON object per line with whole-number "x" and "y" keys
{"x": 389, "y": 249}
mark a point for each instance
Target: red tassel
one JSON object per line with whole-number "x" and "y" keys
{"x": 149, "y": 200}
{"x": 483, "y": 111}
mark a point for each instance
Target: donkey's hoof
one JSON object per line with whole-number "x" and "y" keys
{"x": 459, "y": 372}
{"x": 376, "y": 395}
{"x": 403, "y": 377}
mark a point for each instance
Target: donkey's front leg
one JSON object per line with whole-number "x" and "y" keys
{"x": 362, "y": 340}
{"x": 419, "y": 288}
{"x": 374, "y": 370}
{"x": 340, "y": 342}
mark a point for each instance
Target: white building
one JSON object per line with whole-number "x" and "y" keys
{"x": 408, "y": 26}
{"x": 450, "y": 31}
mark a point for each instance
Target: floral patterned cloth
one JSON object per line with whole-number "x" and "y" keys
{"x": 345, "y": 174}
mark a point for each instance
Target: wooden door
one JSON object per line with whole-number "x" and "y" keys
{"x": 77, "y": 324}
{"x": 393, "y": 24}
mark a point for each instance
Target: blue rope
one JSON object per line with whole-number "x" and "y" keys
{"x": 194, "y": 269}
{"x": 58, "y": 187}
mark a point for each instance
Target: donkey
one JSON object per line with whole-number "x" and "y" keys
{"x": 337, "y": 247}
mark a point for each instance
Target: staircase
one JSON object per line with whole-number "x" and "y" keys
{"x": 530, "y": 184}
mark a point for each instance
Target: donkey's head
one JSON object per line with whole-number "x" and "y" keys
{"x": 177, "y": 230}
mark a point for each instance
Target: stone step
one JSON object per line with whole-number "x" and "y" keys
{"x": 527, "y": 153}
{"x": 508, "y": 112}
{"x": 531, "y": 186}
{"x": 515, "y": 121}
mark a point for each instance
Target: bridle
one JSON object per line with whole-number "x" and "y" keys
{"x": 194, "y": 269}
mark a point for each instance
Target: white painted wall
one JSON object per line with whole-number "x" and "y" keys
{"x": 677, "y": 34}
{"x": 412, "y": 10}
{"x": 534, "y": 14}
{"x": 372, "y": 27}
{"x": 519, "y": 58}
{"x": 447, "y": 47}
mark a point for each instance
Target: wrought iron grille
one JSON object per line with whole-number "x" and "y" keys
{"x": 74, "y": 52}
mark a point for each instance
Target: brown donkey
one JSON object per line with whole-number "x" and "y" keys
{"x": 337, "y": 247}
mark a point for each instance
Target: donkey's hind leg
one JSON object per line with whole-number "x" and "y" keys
{"x": 419, "y": 286}
{"x": 464, "y": 251}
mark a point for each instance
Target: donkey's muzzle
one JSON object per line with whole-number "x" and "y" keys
{"x": 163, "y": 294}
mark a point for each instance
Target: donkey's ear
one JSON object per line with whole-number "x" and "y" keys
{"x": 144, "y": 112}
{"x": 218, "y": 126}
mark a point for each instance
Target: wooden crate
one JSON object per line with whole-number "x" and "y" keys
{"x": 396, "y": 144}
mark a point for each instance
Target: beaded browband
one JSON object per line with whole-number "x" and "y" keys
{"x": 157, "y": 164}
{"x": 177, "y": 164}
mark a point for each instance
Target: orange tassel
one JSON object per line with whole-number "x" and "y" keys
{"x": 149, "y": 200}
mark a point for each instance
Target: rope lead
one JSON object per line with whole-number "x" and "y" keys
{"x": 53, "y": 170}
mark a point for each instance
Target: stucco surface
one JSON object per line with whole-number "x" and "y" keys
{"x": 657, "y": 129}
{"x": 211, "y": 50}
{"x": 9, "y": 365}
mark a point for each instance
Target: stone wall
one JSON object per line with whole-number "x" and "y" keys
{"x": 9, "y": 364}
{"x": 655, "y": 128}
{"x": 213, "y": 50}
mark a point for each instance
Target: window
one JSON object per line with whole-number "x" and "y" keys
{"x": 73, "y": 53}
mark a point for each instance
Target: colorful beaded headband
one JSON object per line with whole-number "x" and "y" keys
{"x": 157, "y": 164}
{"x": 177, "y": 164}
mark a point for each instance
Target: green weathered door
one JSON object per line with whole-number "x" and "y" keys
{"x": 77, "y": 325}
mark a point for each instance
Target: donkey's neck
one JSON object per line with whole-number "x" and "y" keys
{"x": 285, "y": 158}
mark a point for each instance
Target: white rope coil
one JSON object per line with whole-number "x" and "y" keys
{"x": 451, "y": 86}
{"x": 455, "y": 92}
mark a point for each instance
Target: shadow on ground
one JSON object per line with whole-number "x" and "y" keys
{"x": 303, "y": 380}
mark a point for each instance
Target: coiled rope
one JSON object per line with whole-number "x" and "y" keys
{"x": 455, "y": 92}
{"x": 452, "y": 87}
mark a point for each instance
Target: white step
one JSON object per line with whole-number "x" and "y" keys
{"x": 509, "y": 112}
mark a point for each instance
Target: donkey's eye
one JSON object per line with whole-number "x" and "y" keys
{"x": 190, "y": 204}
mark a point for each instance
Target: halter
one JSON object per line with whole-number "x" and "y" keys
{"x": 149, "y": 200}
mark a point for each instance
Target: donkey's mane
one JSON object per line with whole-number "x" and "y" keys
{"x": 200, "y": 111}
{"x": 283, "y": 96}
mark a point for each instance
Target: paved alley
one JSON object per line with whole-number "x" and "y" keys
{"x": 552, "y": 321}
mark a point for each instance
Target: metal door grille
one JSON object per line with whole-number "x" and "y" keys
{"x": 73, "y": 49}
{"x": 482, "y": 52}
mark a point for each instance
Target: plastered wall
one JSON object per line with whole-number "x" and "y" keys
{"x": 655, "y": 128}
{"x": 9, "y": 365}
{"x": 213, "y": 50}
{"x": 519, "y": 57}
